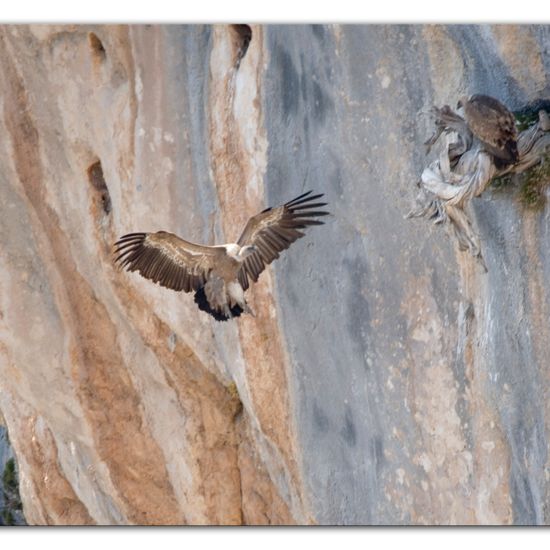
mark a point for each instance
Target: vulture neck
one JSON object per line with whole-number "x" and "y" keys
{"x": 236, "y": 252}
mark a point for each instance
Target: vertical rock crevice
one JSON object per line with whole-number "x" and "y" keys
{"x": 97, "y": 180}
{"x": 238, "y": 150}
{"x": 96, "y": 46}
{"x": 243, "y": 36}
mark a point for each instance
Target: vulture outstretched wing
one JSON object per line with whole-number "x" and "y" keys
{"x": 493, "y": 124}
{"x": 274, "y": 230}
{"x": 166, "y": 259}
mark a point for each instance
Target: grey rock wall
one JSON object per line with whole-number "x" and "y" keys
{"x": 386, "y": 379}
{"x": 382, "y": 382}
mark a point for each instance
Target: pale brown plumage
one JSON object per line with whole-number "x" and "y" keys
{"x": 219, "y": 275}
{"x": 167, "y": 259}
{"x": 494, "y": 125}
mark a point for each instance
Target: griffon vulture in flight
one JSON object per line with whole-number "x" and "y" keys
{"x": 219, "y": 275}
{"x": 493, "y": 125}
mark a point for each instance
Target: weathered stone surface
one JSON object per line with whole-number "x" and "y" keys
{"x": 386, "y": 378}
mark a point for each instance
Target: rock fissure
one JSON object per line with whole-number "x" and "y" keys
{"x": 386, "y": 379}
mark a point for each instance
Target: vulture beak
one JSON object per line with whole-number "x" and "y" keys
{"x": 462, "y": 101}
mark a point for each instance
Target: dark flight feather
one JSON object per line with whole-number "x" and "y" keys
{"x": 274, "y": 230}
{"x": 166, "y": 259}
{"x": 202, "y": 302}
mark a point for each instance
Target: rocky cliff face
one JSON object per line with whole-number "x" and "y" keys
{"x": 386, "y": 379}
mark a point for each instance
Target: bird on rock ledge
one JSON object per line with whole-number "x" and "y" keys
{"x": 493, "y": 125}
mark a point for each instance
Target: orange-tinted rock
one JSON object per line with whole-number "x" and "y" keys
{"x": 384, "y": 379}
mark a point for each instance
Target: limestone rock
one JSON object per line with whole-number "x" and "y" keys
{"x": 385, "y": 379}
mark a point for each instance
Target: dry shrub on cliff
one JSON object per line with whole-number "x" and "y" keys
{"x": 464, "y": 169}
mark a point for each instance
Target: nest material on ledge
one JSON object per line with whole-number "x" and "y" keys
{"x": 464, "y": 169}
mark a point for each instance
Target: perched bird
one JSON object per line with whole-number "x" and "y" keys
{"x": 493, "y": 125}
{"x": 219, "y": 275}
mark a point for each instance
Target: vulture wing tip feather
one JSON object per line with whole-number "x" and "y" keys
{"x": 301, "y": 196}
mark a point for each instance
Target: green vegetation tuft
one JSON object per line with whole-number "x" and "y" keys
{"x": 9, "y": 477}
{"x": 534, "y": 184}
{"x": 502, "y": 182}
{"x": 525, "y": 119}
{"x": 7, "y": 517}
{"x": 10, "y": 491}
